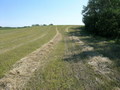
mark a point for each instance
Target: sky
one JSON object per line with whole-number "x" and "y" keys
{"x": 27, "y": 12}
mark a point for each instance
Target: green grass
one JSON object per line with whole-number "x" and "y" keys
{"x": 56, "y": 74}
{"x": 67, "y": 71}
{"x": 66, "y": 66}
{"x": 27, "y": 40}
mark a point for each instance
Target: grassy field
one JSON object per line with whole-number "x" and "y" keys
{"x": 79, "y": 61}
{"x": 17, "y": 43}
{"x": 70, "y": 67}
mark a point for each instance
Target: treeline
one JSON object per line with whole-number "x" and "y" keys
{"x": 102, "y": 17}
{"x": 4, "y": 28}
{"x": 42, "y": 25}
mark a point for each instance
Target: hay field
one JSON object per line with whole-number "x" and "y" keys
{"x": 17, "y": 43}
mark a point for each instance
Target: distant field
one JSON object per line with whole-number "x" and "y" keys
{"x": 17, "y": 43}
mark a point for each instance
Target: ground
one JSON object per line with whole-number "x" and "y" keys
{"x": 71, "y": 59}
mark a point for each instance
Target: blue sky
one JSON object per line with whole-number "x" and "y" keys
{"x": 28, "y": 12}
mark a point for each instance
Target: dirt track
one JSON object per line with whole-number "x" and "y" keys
{"x": 16, "y": 78}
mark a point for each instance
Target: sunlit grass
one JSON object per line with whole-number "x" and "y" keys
{"x": 66, "y": 65}
{"x": 56, "y": 75}
{"x": 8, "y": 58}
{"x": 73, "y": 73}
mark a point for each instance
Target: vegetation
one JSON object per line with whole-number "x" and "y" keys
{"x": 17, "y": 43}
{"x": 44, "y": 24}
{"x": 68, "y": 68}
{"x": 35, "y": 25}
{"x": 77, "y": 62}
{"x": 51, "y": 24}
{"x": 102, "y": 17}
{"x": 7, "y": 28}
{"x": 66, "y": 57}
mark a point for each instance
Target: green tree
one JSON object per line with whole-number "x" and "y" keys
{"x": 102, "y": 17}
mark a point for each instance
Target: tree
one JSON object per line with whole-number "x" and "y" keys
{"x": 35, "y": 25}
{"x": 102, "y": 17}
{"x": 51, "y": 24}
{"x": 44, "y": 25}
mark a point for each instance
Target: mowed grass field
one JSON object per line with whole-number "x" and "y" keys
{"x": 78, "y": 62}
{"x": 17, "y": 43}
{"x": 75, "y": 65}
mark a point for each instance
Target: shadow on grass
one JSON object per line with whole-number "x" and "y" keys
{"x": 102, "y": 46}
{"x": 82, "y": 56}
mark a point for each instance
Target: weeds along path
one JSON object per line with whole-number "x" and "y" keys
{"x": 16, "y": 78}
